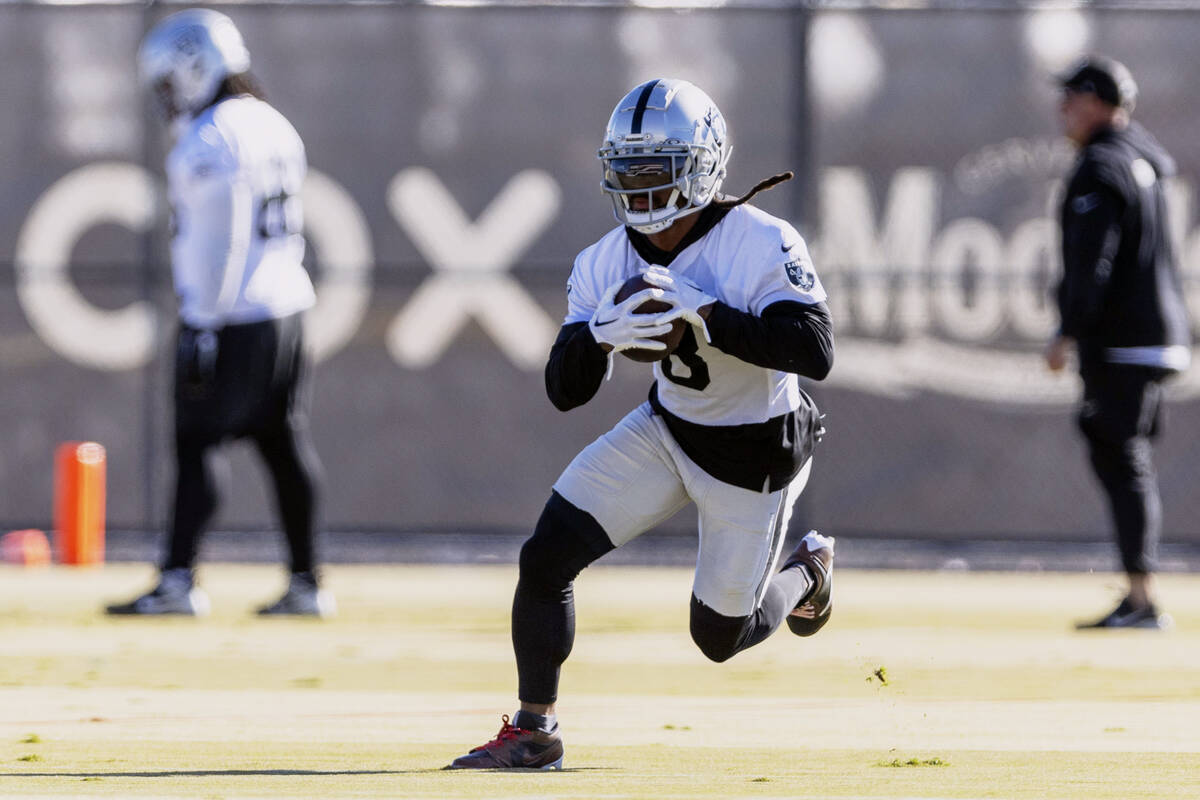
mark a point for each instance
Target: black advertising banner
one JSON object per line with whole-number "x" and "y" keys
{"x": 453, "y": 180}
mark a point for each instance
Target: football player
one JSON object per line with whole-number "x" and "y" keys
{"x": 726, "y": 425}
{"x": 234, "y": 178}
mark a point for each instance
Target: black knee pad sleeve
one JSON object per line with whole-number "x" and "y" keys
{"x": 718, "y": 637}
{"x": 565, "y": 540}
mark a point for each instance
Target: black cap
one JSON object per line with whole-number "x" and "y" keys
{"x": 1106, "y": 78}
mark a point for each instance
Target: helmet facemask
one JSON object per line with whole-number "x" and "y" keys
{"x": 646, "y": 190}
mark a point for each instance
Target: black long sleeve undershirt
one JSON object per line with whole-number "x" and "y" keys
{"x": 789, "y": 336}
{"x": 576, "y": 367}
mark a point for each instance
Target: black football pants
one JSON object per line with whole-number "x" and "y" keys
{"x": 247, "y": 384}
{"x": 1120, "y": 415}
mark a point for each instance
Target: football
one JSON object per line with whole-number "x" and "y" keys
{"x": 671, "y": 338}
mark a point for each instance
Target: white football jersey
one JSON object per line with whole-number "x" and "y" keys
{"x": 234, "y": 179}
{"x": 749, "y": 260}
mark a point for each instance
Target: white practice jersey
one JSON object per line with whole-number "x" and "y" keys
{"x": 748, "y": 261}
{"x": 234, "y": 180}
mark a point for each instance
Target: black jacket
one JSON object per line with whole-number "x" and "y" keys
{"x": 1120, "y": 284}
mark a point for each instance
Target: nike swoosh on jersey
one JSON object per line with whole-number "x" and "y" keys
{"x": 787, "y": 247}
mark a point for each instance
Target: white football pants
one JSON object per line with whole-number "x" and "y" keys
{"x": 635, "y": 476}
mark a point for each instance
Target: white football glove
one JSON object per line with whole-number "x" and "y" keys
{"x": 683, "y": 294}
{"x": 615, "y": 324}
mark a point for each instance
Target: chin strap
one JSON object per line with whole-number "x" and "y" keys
{"x": 761, "y": 186}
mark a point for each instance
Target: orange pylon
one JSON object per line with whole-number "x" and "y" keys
{"x": 79, "y": 477}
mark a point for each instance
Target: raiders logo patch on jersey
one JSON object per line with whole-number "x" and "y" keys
{"x": 800, "y": 274}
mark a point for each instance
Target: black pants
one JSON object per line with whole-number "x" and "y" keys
{"x": 1120, "y": 415}
{"x": 246, "y": 382}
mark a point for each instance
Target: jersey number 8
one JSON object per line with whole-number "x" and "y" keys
{"x": 688, "y": 354}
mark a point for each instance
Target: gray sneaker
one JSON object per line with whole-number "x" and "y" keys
{"x": 176, "y": 593}
{"x": 303, "y": 598}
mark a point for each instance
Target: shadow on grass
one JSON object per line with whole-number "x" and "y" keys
{"x": 212, "y": 773}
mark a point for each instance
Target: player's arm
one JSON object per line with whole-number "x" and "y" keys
{"x": 220, "y": 217}
{"x": 580, "y": 356}
{"x": 576, "y": 367}
{"x": 1091, "y": 238}
{"x": 215, "y": 230}
{"x": 789, "y": 336}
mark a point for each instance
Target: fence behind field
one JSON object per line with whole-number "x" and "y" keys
{"x": 454, "y": 180}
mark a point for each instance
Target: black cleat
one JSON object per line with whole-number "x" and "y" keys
{"x": 175, "y": 595}
{"x": 515, "y": 748}
{"x": 815, "y": 552}
{"x": 1126, "y": 615}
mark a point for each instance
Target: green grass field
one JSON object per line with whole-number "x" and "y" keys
{"x": 924, "y": 685}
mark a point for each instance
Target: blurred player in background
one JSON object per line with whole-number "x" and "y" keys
{"x": 726, "y": 425}
{"x": 234, "y": 178}
{"x": 1122, "y": 311}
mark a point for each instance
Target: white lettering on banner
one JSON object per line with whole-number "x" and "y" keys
{"x": 103, "y": 192}
{"x": 973, "y": 242}
{"x": 917, "y": 308}
{"x": 889, "y": 261}
{"x": 338, "y": 231}
{"x": 882, "y": 267}
{"x": 1032, "y": 250}
{"x": 471, "y": 261}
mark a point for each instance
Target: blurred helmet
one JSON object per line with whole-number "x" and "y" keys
{"x": 187, "y": 55}
{"x": 666, "y": 134}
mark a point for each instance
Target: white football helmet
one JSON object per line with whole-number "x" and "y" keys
{"x": 666, "y": 134}
{"x": 185, "y": 57}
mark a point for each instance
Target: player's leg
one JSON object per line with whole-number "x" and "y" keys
{"x": 200, "y": 471}
{"x": 1119, "y": 416}
{"x": 738, "y": 599}
{"x": 620, "y": 485}
{"x": 199, "y": 402}
{"x": 565, "y": 540}
{"x": 616, "y": 488}
{"x": 279, "y": 429}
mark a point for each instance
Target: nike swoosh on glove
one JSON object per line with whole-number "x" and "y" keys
{"x": 683, "y": 294}
{"x": 616, "y": 324}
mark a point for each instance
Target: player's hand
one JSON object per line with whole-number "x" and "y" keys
{"x": 1058, "y": 351}
{"x": 691, "y": 303}
{"x": 616, "y": 327}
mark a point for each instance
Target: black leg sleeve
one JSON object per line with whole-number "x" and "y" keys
{"x": 565, "y": 541}
{"x": 196, "y": 498}
{"x": 278, "y": 424}
{"x": 295, "y": 472}
{"x": 720, "y": 637}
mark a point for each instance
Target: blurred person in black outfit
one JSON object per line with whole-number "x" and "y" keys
{"x": 1122, "y": 311}
{"x": 234, "y": 177}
